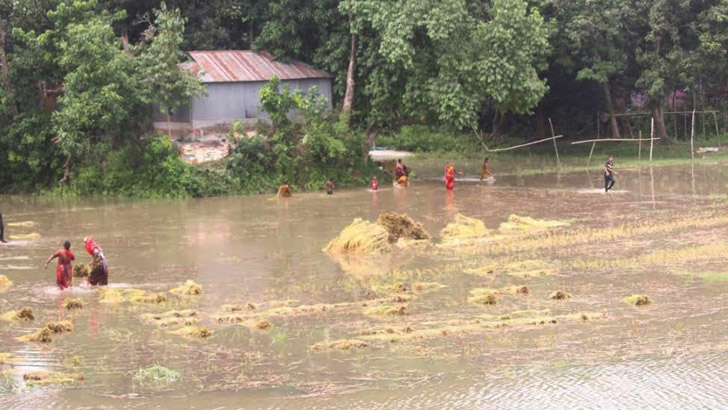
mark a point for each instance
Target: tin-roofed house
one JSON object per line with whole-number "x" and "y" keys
{"x": 233, "y": 79}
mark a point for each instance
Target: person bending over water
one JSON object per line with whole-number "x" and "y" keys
{"x": 2, "y": 230}
{"x": 64, "y": 270}
{"x": 100, "y": 272}
{"x": 609, "y": 172}
{"x": 330, "y": 187}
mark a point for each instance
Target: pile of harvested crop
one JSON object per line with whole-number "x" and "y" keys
{"x": 23, "y": 315}
{"x": 426, "y": 287}
{"x": 262, "y": 325}
{"x": 484, "y": 296}
{"x": 638, "y": 300}
{"x": 360, "y": 237}
{"x": 172, "y": 318}
{"x": 42, "y": 335}
{"x": 73, "y": 304}
{"x": 81, "y": 270}
{"x": 525, "y": 223}
{"x": 402, "y": 227}
{"x": 5, "y": 282}
{"x": 62, "y": 326}
{"x": 386, "y": 310}
{"x": 149, "y": 298}
{"x": 560, "y": 295}
{"x": 463, "y": 228}
{"x": 187, "y": 288}
{"x": 115, "y": 295}
{"x": 342, "y": 344}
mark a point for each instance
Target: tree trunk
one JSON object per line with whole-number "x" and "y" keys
{"x": 660, "y": 130}
{"x": 349, "y": 96}
{"x": 372, "y": 134}
{"x": 6, "y": 70}
{"x": 66, "y": 171}
{"x": 610, "y": 109}
{"x": 125, "y": 42}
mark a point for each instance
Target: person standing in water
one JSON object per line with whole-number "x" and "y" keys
{"x": 609, "y": 172}
{"x": 2, "y": 230}
{"x": 485, "y": 171}
{"x": 450, "y": 172}
{"x": 64, "y": 270}
{"x": 374, "y": 184}
{"x": 100, "y": 272}
{"x": 330, "y": 187}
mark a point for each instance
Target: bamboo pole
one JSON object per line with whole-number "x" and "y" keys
{"x": 692, "y": 137}
{"x": 556, "y": 148}
{"x": 612, "y": 139}
{"x": 599, "y": 135}
{"x": 652, "y": 136}
{"x": 639, "y": 150}
{"x": 717, "y": 132}
{"x": 522, "y": 145}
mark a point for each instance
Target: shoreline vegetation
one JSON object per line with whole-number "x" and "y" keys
{"x": 81, "y": 81}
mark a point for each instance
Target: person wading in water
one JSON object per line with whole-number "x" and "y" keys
{"x": 609, "y": 172}
{"x": 100, "y": 272}
{"x": 330, "y": 187}
{"x": 64, "y": 270}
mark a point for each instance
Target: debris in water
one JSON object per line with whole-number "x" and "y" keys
{"x": 25, "y": 314}
{"x": 81, "y": 270}
{"x": 386, "y": 310}
{"x": 42, "y": 335}
{"x": 52, "y": 377}
{"x": 7, "y": 358}
{"x": 560, "y": 295}
{"x": 426, "y": 287}
{"x": 60, "y": 326}
{"x": 187, "y": 288}
{"x": 21, "y": 237}
{"x": 24, "y": 224}
{"x": 463, "y": 228}
{"x": 517, "y": 290}
{"x": 531, "y": 273}
{"x": 484, "y": 296}
{"x": 402, "y": 298}
{"x": 172, "y": 318}
{"x": 5, "y": 282}
{"x": 194, "y": 331}
{"x": 73, "y": 304}
{"x": 396, "y": 287}
{"x": 262, "y": 325}
{"x": 341, "y": 344}
{"x": 525, "y": 223}
{"x": 638, "y": 300}
{"x": 360, "y": 237}
{"x": 402, "y": 227}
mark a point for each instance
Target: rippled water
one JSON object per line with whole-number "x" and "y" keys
{"x": 671, "y": 354}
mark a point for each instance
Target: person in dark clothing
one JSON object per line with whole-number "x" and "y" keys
{"x": 609, "y": 172}
{"x": 2, "y": 230}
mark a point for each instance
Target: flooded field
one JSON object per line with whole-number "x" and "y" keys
{"x": 601, "y": 301}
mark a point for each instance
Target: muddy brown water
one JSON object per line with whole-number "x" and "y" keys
{"x": 671, "y": 354}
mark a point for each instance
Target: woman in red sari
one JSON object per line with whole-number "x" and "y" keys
{"x": 63, "y": 272}
{"x": 450, "y": 172}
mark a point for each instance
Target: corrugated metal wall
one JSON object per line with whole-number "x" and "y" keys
{"x": 226, "y": 102}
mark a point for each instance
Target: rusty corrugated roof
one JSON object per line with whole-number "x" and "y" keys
{"x": 247, "y": 65}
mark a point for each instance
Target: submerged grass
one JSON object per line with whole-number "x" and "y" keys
{"x": 187, "y": 288}
{"x": 560, "y": 295}
{"x": 172, "y": 318}
{"x": 23, "y": 315}
{"x": 484, "y": 296}
{"x": 158, "y": 375}
{"x": 526, "y": 223}
{"x": 194, "y": 331}
{"x": 42, "y": 335}
{"x": 341, "y": 344}
{"x": 386, "y": 310}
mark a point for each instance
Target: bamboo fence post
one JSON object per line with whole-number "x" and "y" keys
{"x": 692, "y": 136}
{"x": 652, "y": 136}
{"x": 556, "y": 148}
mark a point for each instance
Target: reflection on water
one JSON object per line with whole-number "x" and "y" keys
{"x": 253, "y": 249}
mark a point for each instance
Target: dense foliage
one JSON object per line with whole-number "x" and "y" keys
{"x": 81, "y": 78}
